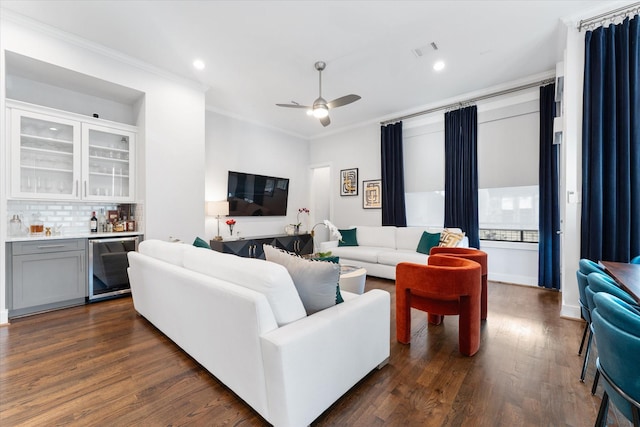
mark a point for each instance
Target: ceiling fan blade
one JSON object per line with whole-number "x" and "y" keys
{"x": 326, "y": 121}
{"x": 339, "y": 102}
{"x": 294, "y": 106}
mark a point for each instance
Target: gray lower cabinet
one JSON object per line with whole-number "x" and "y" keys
{"x": 46, "y": 275}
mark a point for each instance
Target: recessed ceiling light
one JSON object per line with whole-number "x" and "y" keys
{"x": 438, "y": 66}
{"x": 198, "y": 64}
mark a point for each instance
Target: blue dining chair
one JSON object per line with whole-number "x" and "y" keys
{"x": 635, "y": 260}
{"x": 584, "y": 307}
{"x": 586, "y": 266}
{"x": 617, "y": 327}
{"x": 600, "y": 282}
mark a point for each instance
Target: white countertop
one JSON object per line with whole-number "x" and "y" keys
{"x": 86, "y": 235}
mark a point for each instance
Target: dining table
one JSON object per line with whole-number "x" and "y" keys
{"x": 627, "y": 275}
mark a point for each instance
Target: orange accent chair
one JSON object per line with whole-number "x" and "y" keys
{"x": 474, "y": 255}
{"x": 447, "y": 285}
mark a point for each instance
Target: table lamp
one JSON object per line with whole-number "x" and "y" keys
{"x": 218, "y": 209}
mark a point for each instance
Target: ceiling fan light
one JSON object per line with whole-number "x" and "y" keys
{"x": 320, "y": 111}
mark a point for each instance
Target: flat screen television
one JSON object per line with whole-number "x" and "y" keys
{"x": 257, "y": 195}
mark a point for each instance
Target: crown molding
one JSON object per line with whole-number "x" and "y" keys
{"x": 253, "y": 122}
{"x": 97, "y": 48}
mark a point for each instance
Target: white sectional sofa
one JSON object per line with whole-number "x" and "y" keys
{"x": 381, "y": 248}
{"x": 243, "y": 321}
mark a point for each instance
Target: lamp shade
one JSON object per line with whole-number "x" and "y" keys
{"x": 220, "y": 208}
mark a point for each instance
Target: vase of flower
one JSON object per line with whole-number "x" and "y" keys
{"x": 303, "y": 212}
{"x": 231, "y": 223}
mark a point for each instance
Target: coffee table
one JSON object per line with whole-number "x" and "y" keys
{"x": 352, "y": 278}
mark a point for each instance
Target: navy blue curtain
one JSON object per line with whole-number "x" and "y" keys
{"x": 393, "y": 207}
{"x": 610, "y": 228}
{"x": 549, "y": 214}
{"x": 461, "y": 172}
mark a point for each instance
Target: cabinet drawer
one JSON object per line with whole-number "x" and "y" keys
{"x": 47, "y": 246}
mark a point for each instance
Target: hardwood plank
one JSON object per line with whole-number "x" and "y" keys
{"x": 102, "y": 364}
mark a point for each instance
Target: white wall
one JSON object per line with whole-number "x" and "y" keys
{"x": 355, "y": 148}
{"x": 571, "y": 170}
{"x": 171, "y": 128}
{"x": 233, "y": 144}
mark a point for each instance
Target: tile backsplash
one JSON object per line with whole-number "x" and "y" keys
{"x": 69, "y": 217}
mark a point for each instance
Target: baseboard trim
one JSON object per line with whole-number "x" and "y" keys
{"x": 515, "y": 279}
{"x": 4, "y": 317}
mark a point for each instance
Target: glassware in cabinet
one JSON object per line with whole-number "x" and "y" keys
{"x": 109, "y": 156}
{"x": 45, "y": 156}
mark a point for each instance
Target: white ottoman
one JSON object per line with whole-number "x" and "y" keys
{"x": 352, "y": 278}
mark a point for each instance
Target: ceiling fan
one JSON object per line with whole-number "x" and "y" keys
{"x": 320, "y": 108}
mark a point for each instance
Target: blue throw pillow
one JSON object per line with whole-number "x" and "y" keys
{"x": 348, "y": 237}
{"x": 200, "y": 243}
{"x": 428, "y": 241}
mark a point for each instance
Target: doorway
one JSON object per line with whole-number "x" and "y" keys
{"x": 320, "y": 201}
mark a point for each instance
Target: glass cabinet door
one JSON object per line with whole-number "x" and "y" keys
{"x": 45, "y": 156}
{"x": 108, "y": 159}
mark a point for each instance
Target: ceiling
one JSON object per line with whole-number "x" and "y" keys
{"x": 259, "y": 53}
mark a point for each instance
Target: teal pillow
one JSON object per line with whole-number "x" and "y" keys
{"x": 348, "y": 237}
{"x": 200, "y": 243}
{"x": 339, "y": 299}
{"x": 334, "y": 259}
{"x": 427, "y": 241}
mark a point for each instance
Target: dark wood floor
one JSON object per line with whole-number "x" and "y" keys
{"x": 102, "y": 364}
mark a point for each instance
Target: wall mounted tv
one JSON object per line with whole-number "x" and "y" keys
{"x": 257, "y": 195}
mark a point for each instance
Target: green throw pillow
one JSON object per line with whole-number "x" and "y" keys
{"x": 334, "y": 259}
{"x": 200, "y": 243}
{"x": 348, "y": 237}
{"x": 428, "y": 241}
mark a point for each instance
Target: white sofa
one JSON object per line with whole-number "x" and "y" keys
{"x": 381, "y": 248}
{"x": 243, "y": 321}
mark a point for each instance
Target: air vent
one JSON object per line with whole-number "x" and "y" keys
{"x": 421, "y": 51}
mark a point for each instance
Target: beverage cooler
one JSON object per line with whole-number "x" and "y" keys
{"x": 108, "y": 265}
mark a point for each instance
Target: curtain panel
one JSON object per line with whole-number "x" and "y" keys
{"x": 549, "y": 214}
{"x": 610, "y": 225}
{"x": 461, "y": 172}
{"x": 393, "y": 204}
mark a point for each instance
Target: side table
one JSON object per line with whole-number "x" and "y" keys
{"x": 352, "y": 278}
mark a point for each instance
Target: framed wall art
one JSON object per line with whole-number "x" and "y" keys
{"x": 349, "y": 182}
{"x": 372, "y": 194}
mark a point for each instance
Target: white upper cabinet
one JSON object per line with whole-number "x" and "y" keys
{"x": 60, "y": 156}
{"x": 45, "y": 156}
{"x": 108, "y": 158}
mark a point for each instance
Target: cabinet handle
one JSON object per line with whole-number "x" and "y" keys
{"x": 85, "y": 188}
{"x": 50, "y": 246}
{"x": 81, "y": 263}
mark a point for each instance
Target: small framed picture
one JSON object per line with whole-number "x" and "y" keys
{"x": 349, "y": 182}
{"x": 372, "y": 194}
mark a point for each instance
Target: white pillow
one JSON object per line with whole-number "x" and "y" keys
{"x": 269, "y": 279}
{"x": 316, "y": 281}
